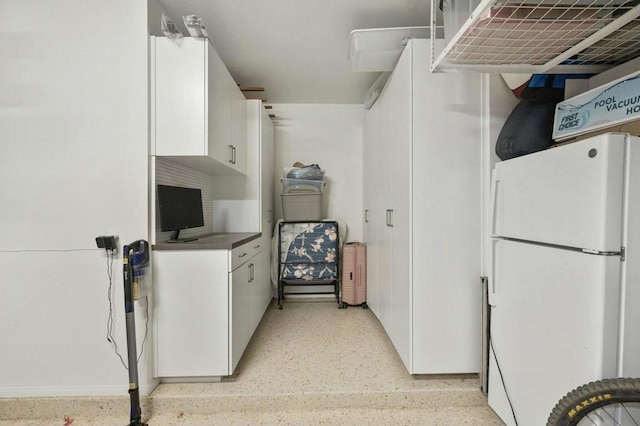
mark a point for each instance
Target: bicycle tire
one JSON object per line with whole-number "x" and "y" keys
{"x": 587, "y": 399}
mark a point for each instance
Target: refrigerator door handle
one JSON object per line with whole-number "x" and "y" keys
{"x": 493, "y": 282}
{"x": 495, "y": 185}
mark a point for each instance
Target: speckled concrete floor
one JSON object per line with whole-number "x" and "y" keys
{"x": 310, "y": 363}
{"x": 471, "y": 416}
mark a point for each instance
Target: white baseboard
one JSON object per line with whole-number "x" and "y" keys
{"x": 75, "y": 391}
{"x": 206, "y": 379}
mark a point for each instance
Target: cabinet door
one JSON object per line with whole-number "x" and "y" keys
{"x": 192, "y": 313}
{"x": 267, "y": 171}
{"x": 180, "y": 101}
{"x": 219, "y": 108}
{"x": 446, "y": 204}
{"x": 372, "y": 175}
{"x": 261, "y": 289}
{"x": 377, "y": 265}
{"x": 401, "y": 188}
{"x": 381, "y": 207}
{"x": 227, "y": 124}
{"x": 240, "y": 312}
{"x": 238, "y": 136}
{"x": 267, "y": 194}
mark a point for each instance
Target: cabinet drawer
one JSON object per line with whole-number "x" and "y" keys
{"x": 239, "y": 255}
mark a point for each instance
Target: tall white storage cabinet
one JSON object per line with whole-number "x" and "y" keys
{"x": 261, "y": 133}
{"x": 422, "y": 224}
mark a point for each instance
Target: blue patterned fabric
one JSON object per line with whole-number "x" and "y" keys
{"x": 308, "y": 251}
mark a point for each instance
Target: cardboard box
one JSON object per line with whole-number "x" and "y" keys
{"x": 606, "y": 107}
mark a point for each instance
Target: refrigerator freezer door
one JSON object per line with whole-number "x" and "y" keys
{"x": 553, "y": 326}
{"x": 570, "y": 196}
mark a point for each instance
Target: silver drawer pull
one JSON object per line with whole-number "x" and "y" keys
{"x": 257, "y": 247}
{"x": 242, "y": 255}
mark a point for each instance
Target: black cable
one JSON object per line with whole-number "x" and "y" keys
{"x": 110, "y": 338}
{"x": 504, "y": 386}
{"x": 146, "y": 325}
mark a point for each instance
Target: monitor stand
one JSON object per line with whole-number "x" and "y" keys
{"x": 174, "y": 238}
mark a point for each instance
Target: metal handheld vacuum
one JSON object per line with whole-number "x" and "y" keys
{"x": 135, "y": 264}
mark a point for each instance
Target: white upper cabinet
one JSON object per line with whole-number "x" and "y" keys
{"x": 198, "y": 112}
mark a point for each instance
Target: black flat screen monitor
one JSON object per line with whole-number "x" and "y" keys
{"x": 179, "y": 208}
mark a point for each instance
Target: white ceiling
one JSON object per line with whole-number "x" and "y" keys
{"x": 296, "y": 49}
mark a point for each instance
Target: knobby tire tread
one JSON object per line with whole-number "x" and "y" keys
{"x": 575, "y": 405}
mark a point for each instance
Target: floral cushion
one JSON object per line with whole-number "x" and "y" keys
{"x": 308, "y": 251}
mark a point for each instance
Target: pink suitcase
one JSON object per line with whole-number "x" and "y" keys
{"x": 354, "y": 275}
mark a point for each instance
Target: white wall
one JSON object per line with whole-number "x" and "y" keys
{"x": 74, "y": 165}
{"x": 331, "y": 136}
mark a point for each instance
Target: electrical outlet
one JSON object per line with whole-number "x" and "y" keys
{"x": 107, "y": 242}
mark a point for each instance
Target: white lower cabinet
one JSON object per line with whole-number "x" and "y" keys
{"x": 208, "y": 304}
{"x": 240, "y": 281}
{"x": 261, "y": 289}
{"x": 192, "y": 313}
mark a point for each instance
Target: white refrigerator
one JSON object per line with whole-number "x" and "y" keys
{"x": 564, "y": 286}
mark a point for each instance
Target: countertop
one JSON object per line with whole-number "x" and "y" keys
{"x": 218, "y": 241}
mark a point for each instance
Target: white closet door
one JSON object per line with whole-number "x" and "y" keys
{"x": 381, "y": 208}
{"x": 372, "y": 178}
{"x": 446, "y": 220}
{"x": 401, "y": 187}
